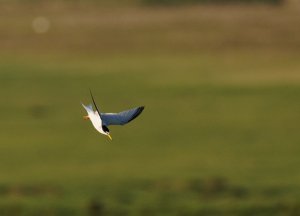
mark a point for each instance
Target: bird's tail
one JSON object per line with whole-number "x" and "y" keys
{"x": 88, "y": 108}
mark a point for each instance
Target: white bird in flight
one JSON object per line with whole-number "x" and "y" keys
{"x": 101, "y": 121}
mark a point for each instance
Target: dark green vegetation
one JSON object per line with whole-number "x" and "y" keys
{"x": 181, "y": 2}
{"x": 219, "y": 135}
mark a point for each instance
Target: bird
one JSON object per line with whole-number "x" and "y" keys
{"x": 101, "y": 121}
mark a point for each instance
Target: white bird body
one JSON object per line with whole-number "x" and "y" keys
{"x": 94, "y": 117}
{"x": 101, "y": 120}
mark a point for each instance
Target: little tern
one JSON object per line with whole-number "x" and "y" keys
{"x": 101, "y": 121}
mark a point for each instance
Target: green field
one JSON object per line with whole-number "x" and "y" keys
{"x": 220, "y": 132}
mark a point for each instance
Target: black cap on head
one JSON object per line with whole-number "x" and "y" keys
{"x": 105, "y": 129}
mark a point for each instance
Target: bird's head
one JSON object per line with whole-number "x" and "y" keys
{"x": 106, "y": 131}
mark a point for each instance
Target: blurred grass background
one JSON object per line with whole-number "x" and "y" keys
{"x": 220, "y": 132}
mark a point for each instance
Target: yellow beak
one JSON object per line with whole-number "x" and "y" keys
{"x": 109, "y": 136}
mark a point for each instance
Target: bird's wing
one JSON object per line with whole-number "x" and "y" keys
{"x": 95, "y": 104}
{"x": 121, "y": 118}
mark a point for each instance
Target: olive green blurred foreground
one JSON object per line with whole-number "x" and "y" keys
{"x": 220, "y": 132}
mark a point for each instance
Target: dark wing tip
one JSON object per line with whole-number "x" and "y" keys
{"x": 94, "y": 103}
{"x": 137, "y": 113}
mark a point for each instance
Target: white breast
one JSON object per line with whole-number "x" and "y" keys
{"x": 94, "y": 117}
{"x": 96, "y": 121}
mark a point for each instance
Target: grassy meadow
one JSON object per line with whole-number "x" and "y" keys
{"x": 219, "y": 134}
